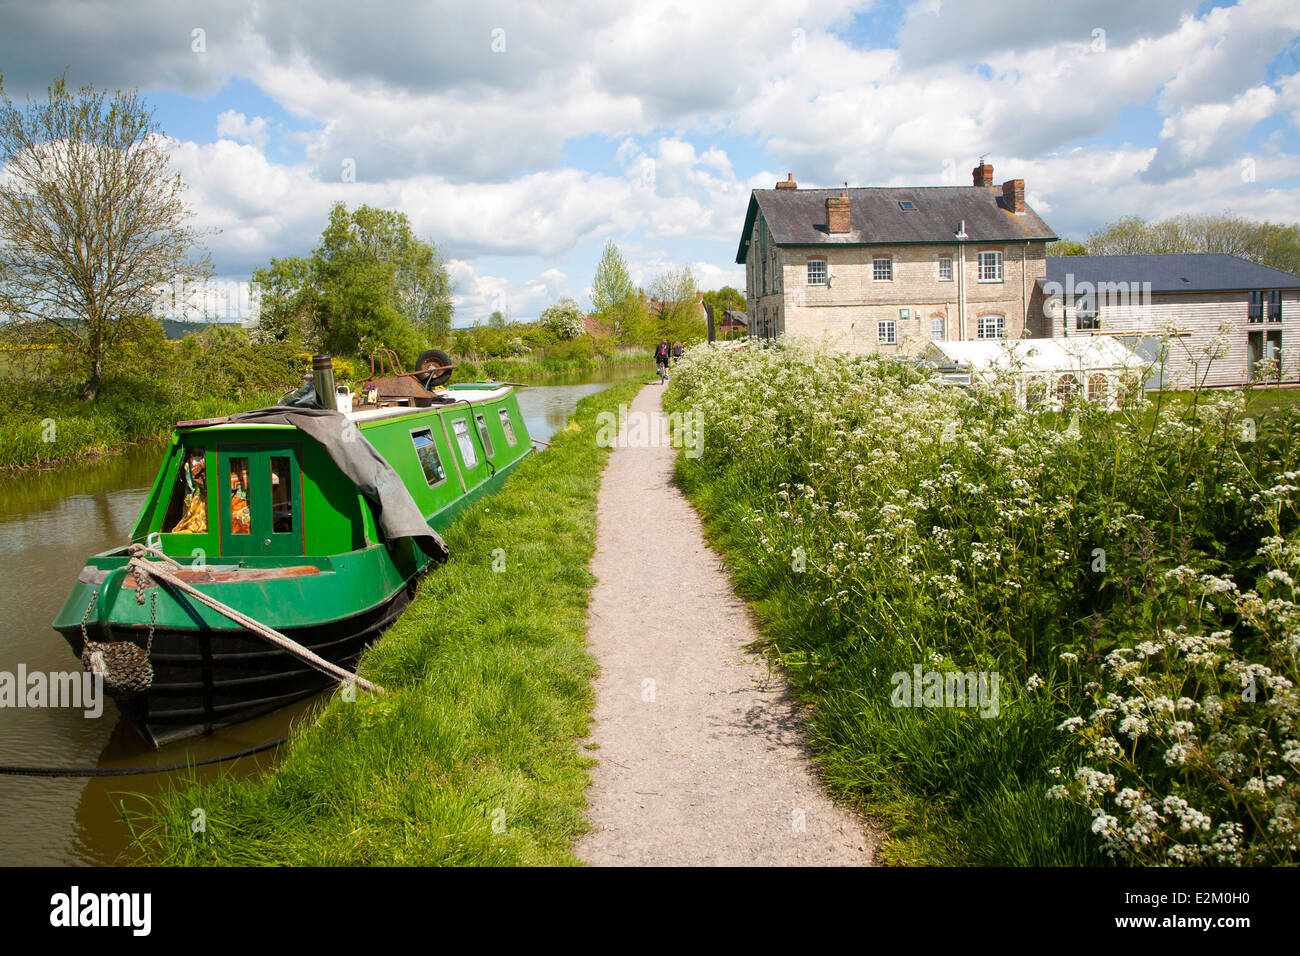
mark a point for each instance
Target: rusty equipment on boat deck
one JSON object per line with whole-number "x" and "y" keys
{"x": 392, "y": 385}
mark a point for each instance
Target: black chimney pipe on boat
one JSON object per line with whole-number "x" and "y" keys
{"x": 322, "y": 374}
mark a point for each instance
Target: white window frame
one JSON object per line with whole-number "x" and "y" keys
{"x": 507, "y": 427}
{"x": 984, "y": 272}
{"x": 886, "y": 332}
{"x": 1000, "y": 324}
{"x": 825, "y": 271}
{"x": 942, "y": 329}
{"x": 875, "y": 268}
{"x": 460, "y": 429}
{"x": 945, "y": 261}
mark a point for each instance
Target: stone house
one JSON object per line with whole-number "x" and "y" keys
{"x": 890, "y": 269}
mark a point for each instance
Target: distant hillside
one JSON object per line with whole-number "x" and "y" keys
{"x": 175, "y": 329}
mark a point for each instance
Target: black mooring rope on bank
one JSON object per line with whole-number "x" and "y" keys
{"x": 131, "y": 771}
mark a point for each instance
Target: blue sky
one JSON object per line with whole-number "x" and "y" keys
{"x": 520, "y": 138}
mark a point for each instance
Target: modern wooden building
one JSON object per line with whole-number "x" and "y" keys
{"x": 1207, "y": 319}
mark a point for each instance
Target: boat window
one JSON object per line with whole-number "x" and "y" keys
{"x": 460, "y": 427}
{"x": 508, "y": 427}
{"x": 281, "y": 495}
{"x": 188, "y": 511}
{"x": 483, "y": 433}
{"x": 239, "y": 496}
{"x": 427, "y": 452}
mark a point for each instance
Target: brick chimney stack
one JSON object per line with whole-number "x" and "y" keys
{"x": 837, "y": 213}
{"x": 983, "y": 174}
{"x": 1013, "y": 193}
{"x": 788, "y": 183}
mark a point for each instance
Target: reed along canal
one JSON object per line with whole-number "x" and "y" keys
{"x": 50, "y": 522}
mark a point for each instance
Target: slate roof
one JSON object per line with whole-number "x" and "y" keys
{"x": 797, "y": 217}
{"x": 1180, "y": 272}
{"x": 740, "y": 318}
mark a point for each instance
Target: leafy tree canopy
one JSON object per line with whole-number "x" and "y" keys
{"x": 370, "y": 283}
{"x": 564, "y": 319}
{"x": 1270, "y": 244}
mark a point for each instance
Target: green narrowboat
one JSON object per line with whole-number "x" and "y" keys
{"x": 269, "y": 513}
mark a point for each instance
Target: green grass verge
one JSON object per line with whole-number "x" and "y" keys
{"x": 471, "y": 757}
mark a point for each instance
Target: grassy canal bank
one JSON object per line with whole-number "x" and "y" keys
{"x": 1025, "y": 639}
{"x": 529, "y": 369}
{"x": 41, "y": 430}
{"x": 471, "y": 756}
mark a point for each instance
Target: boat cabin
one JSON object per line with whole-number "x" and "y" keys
{"x": 252, "y": 491}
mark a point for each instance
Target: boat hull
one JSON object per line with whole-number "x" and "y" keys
{"x": 207, "y": 678}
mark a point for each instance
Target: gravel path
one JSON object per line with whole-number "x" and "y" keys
{"x": 701, "y": 761}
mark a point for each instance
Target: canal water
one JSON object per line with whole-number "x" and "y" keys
{"x": 50, "y": 521}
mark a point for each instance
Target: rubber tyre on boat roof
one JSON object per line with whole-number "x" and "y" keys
{"x": 433, "y": 358}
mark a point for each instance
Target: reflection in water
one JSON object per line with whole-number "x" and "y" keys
{"x": 50, "y": 522}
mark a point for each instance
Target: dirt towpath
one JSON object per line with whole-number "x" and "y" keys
{"x": 701, "y": 761}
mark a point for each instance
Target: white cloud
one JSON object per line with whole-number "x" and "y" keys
{"x": 470, "y": 142}
{"x": 237, "y": 126}
{"x": 1209, "y": 134}
{"x": 478, "y": 296}
{"x": 937, "y": 32}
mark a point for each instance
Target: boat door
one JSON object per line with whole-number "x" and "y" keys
{"x": 260, "y": 500}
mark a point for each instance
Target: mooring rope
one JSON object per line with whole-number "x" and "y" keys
{"x": 140, "y": 566}
{"x": 131, "y": 771}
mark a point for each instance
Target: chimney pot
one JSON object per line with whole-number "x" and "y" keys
{"x": 788, "y": 182}
{"x": 983, "y": 174}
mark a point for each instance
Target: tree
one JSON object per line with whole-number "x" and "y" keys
{"x": 1128, "y": 236}
{"x": 1066, "y": 247}
{"x": 678, "y": 312}
{"x": 92, "y": 220}
{"x": 496, "y": 320}
{"x": 370, "y": 283}
{"x": 618, "y": 303}
{"x": 1267, "y": 243}
{"x": 676, "y": 292}
{"x": 287, "y": 303}
{"x": 724, "y": 299}
{"x": 564, "y": 319}
{"x": 612, "y": 287}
